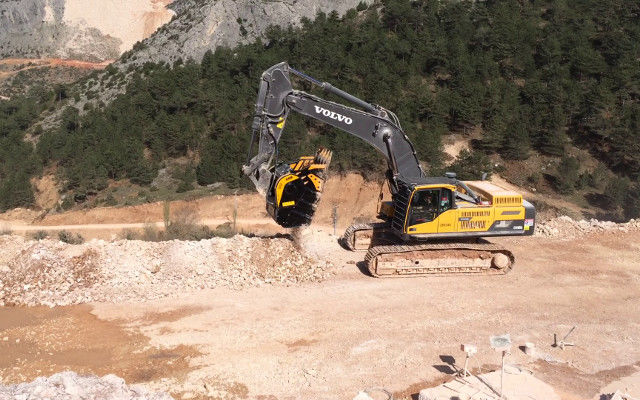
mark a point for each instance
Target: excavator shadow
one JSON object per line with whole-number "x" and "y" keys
{"x": 362, "y": 266}
{"x": 270, "y": 236}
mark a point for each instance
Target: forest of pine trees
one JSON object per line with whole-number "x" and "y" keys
{"x": 534, "y": 76}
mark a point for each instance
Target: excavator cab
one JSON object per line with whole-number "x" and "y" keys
{"x": 295, "y": 189}
{"x": 447, "y": 207}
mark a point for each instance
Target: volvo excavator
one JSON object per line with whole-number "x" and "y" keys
{"x": 431, "y": 226}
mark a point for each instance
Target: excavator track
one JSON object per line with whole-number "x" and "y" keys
{"x": 360, "y": 236}
{"x": 439, "y": 259}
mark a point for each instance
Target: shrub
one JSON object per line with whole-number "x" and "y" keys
{"x": 616, "y": 192}
{"x": 150, "y": 233}
{"x": 67, "y": 203}
{"x": 471, "y": 165}
{"x": 567, "y": 175}
{"x": 184, "y": 226}
{"x": 184, "y": 186}
{"x": 599, "y": 177}
{"x": 632, "y": 203}
{"x": 225, "y": 230}
{"x": 187, "y": 231}
{"x": 534, "y": 178}
{"x": 40, "y": 235}
{"x": 128, "y": 234}
{"x": 110, "y": 201}
{"x": 70, "y": 238}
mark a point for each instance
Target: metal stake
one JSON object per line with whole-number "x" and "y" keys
{"x": 504, "y": 355}
{"x": 335, "y": 218}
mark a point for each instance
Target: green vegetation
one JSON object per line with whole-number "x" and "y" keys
{"x": 40, "y": 235}
{"x": 471, "y": 165}
{"x": 182, "y": 226}
{"x": 531, "y": 76}
{"x": 70, "y": 238}
{"x": 18, "y": 162}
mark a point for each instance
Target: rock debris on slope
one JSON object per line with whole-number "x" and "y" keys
{"x": 69, "y": 385}
{"x": 567, "y": 228}
{"x": 54, "y": 273}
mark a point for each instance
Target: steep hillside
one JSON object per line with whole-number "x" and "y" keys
{"x": 545, "y": 95}
{"x": 204, "y": 25}
{"x": 200, "y": 26}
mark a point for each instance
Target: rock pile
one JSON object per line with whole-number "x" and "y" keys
{"x": 69, "y": 385}
{"x": 568, "y": 228}
{"x": 54, "y": 273}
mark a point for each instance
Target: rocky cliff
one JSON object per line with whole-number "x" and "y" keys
{"x": 200, "y": 25}
{"x": 77, "y": 29}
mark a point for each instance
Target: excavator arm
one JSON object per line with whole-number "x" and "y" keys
{"x": 293, "y": 190}
{"x": 373, "y": 124}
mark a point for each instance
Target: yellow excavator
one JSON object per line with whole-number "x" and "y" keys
{"x": 431, "y": 226}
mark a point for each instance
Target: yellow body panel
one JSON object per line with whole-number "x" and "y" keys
{"x": 495, "y": 194}
{"x": 282, "y": 182}
{"x": 447, "y": 221}
{"x": 425, "y": 227}
{"x": 317, "y": 182}
{"x": 501, "y": 205}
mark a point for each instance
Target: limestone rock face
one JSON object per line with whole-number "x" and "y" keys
{"x": 101, "y": 30}
{"x": 202, "y": 25}
{"x": 195, "y": 27}
{"x": 79, "y": 29}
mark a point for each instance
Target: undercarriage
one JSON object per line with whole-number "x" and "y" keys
{"x": 387, "y": 256}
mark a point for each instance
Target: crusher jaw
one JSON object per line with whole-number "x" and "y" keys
{"x": 295, "y": 189}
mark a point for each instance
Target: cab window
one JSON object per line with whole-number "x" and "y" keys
{"x": 424, "y": 206}
{"x": 427, "y": 204}
{"x": 446, "y": 200}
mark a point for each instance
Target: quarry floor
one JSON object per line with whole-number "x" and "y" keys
{"x": 331, "y": 339}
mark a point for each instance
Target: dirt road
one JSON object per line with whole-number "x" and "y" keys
{"x": 107, "y": 230}
{"x": 328, "y": 340}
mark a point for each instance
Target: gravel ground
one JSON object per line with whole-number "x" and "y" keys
{"x": 69, "y": 385}
{"x": 54, "y": 273}
{"x": 567, "y": 228}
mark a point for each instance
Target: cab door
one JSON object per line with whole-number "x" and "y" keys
{"x": 432, "y": 211}
{"x": 448, "y": 217}
{"x": 423, "y": 212}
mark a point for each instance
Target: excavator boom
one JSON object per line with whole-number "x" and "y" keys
{"x": 277, "y": 98}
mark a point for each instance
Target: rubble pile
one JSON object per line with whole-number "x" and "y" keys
{"x": 69, "y": 385}
{"x": 53, "y": 273}
{"x": 568, "y": 228}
